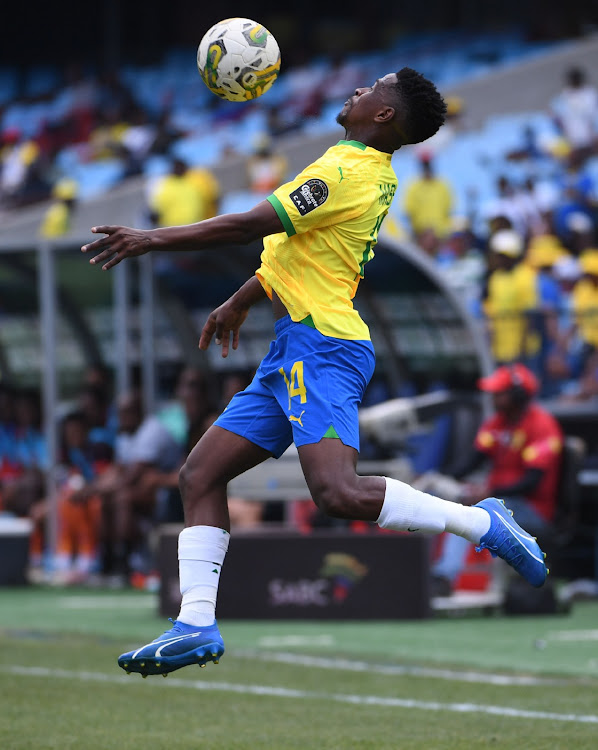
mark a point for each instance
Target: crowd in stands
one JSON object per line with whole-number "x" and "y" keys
{"x": 95, "y": 129}
{"x": 525, "y": 260}
{"x": 117, "y": 473}
{"x": 513, "y": 229}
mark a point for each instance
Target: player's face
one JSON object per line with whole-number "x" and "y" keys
{"x": 365, "y": 102}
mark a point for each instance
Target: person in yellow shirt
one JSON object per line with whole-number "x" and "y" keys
{"x": 428, "y": 202}
{"x": 177, "y": 198}
{"x": 57, "y": 219}
{"x": 209, "y": 189}
{"x": 585, "y": 301}
{"x": 319, "y": 232}
{"x": 511, "y": 295}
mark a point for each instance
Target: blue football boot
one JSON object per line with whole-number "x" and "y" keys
{"x": 506, "y": 539}
{"x": 178, "y": 647}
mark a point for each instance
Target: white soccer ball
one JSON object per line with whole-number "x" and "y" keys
{"x": 238, "y": 59}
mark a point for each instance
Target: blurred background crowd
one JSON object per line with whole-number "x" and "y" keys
{"x": 117, "y": 473}
{"x": 506, "y": 210}
{"x": 68, "y": 136}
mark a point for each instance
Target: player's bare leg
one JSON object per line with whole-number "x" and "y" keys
{"x": 217, "y": 458}
{"x": 329, "y": 469}
{"x": 194, "y": 638}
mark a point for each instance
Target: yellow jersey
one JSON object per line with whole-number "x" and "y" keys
{"x": 511, "y": 294}
{"x": 428, "y": 205}
{"x": 331, "y": 213}
{"x": 177, "y": 201}
{"x": 56, "y": 221}
{"x": 585, "y": 308}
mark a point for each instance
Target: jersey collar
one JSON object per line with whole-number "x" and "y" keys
{"x": 362, "y": 147}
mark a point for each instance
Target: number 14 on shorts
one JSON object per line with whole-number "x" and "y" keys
{"x": 294, "y": 382}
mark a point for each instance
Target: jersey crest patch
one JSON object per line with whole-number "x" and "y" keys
{"x": 309, "y": 196}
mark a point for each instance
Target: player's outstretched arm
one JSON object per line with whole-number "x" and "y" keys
{"x": 227, "y": 229}
{"x": 230, "y": 316}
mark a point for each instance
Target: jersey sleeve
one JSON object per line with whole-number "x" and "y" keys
{"x": 542, "y": 451}
{"x": 485, "y": 440}
{"x": 319, "y": 196}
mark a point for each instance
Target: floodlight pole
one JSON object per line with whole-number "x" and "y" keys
{"x": 47, "y": 298}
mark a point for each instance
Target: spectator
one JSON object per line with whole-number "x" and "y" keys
{"x": 585, "y": 304}
{"x": 580, "y": 233}
{"x": 428, "y": 202}
{"x": 102, "y": 420}
{"x": 184, "y": 417}
{"x": 508, "y": 204}
{"x": 58, "y": 218}
{"x": 564, "y": 360}
{"x": 139, "y": 136}
{"x": 577, "y": 197}
{"x": 206, "y": 183}
{"x": 22, "y": 180}
{"x": 79, "y": 505}
{"x": 511, "y": 295}
{"x": 542, "y": 254}
{"x": 176, "y": 199}
{"x": 463, "y": 264}
{"x": 522, "y": 443}
{"x": 129, "y": 497}
{"x": 166, "y": 135}
{"x": 23, "y": 486}
{"x": 586, "y": 387}
{"x": 30, "y": 442}
{"x": 187, "y": 419}
{"x": 575, "y": 111}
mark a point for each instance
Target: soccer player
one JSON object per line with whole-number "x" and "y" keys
{"x": 319, "y": 231}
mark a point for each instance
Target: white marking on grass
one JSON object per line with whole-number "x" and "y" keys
{"x": 279, "y": 692}
{"x": 348, "y": 665}
{"x": 280, "y": 641}
{"x": 573, "y": 635}
{"x": 107, "y": 602}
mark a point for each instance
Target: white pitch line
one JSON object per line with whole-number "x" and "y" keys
{"x": 279, "y": 692}
{"x": 106, "y": 602}
{"x": 348, "y": 665}
{"x": 572, "y": 635}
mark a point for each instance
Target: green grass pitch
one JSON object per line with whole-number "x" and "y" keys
{"x": 487, "y": 682}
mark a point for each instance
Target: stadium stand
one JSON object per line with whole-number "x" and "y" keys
{"x": 501, "y": 132}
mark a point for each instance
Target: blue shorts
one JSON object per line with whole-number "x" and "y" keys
{"x": 307, "y": 387}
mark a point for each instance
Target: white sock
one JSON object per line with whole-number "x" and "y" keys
{"x": 201, "y": 553}
{"x": 408, "y": 509}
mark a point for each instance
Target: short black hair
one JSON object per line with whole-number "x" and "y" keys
{"x": 424, "y": 107}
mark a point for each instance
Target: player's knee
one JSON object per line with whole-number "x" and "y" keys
{"x": 191, "y": 480}
{"x": 335, "y": 499}
{"x": 196, "y": 478}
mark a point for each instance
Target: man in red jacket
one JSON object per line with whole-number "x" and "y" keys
{"x": 523, "y": 444}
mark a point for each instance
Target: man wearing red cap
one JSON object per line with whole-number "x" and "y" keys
{"x": 523, "y": 444}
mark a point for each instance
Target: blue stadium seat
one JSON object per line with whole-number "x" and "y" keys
{"x": 97, "y": 177}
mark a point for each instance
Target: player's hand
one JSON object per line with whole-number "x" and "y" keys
{"x": 221, "y": 323}
{"x": 120, "y": 243}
